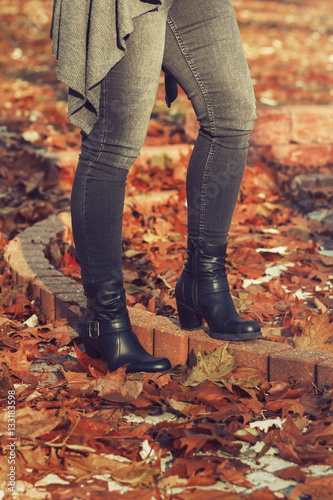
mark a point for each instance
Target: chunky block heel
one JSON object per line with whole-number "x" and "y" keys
{"x": 188, "y": 318}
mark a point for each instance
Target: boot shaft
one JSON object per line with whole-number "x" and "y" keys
{"x": 106, "y": 300}
{"x": 205, "y": 261}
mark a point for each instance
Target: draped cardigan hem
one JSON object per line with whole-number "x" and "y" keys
{"x": 88, "y": 39}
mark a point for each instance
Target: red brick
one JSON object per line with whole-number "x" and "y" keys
{"x": 171, "y": 342}
{"x": 15, "y": 257}
{"x": 255, "y": 353}
{"x": 142, "y": 318}
{"x": 156, "y": 329}
{"x": 312, "y": 124}
{"x": 36, "y": 239}
{"x": 145, "y": 336}
{"x": 47, "y": 304}
{"x": 207, "y": 344}
{"x": 297, "y": 364}
{"x": 24, "y": 273}
{"x": 46, "y": 271}
{"x": 49, "y": 288}
{"x": 48, "y": 300}
{"x": 39, "y": 262}
{"x": 143, "y": 325}
{"x": 271, "y": 127}
{"x": 51, "y": 226}
{"x": 292, "y": 154}
{"x": 65, "y": 301}
{"x": 325, "y": 371}
{"x": 69, "y": 310}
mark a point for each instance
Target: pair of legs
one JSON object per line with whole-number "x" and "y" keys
{"x": 198, "y": 42}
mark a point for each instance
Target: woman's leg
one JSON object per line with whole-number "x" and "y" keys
{"x": 127, "y": 98}
{"x": 205, "y": 55}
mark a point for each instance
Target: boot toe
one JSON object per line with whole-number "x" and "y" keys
{"x": 240, "y": 326}
{"x": 162, "y": 365}
{"x": 152, "y": 365}
{"x": 249, "y": 327}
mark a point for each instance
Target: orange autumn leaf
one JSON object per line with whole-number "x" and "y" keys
{"x": 316, "y": 332}
{"x": 29, "y": 423}
{"x": 113, "y": 390}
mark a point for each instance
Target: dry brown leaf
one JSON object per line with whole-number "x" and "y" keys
{"x": 75, "y": 379}
{"x": 247, "y": 377}
{"x": 29, "y": 423}
{"x": 314, "y": 487}
{"x": 16, "y": 360}
{"x": 286, "y": 405}
{"x": 114, "y": 390}
{"x": 6, "y": 382}
{"x": 316, "y": 332}
{"x": 212, "y": 366}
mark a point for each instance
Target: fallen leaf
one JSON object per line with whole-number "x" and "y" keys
{"x": 113, "y": 390}
{"x": 212, "y": 366}
{"x": 264, "y": 425}
{"x": 316, "y": 332}
{"x": 29, "y": 423}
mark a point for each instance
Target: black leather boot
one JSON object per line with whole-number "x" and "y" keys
{"x": 107, "y": 333}
{"x": 202, "y": 291}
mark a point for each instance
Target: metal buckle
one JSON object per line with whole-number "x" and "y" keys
{"x": 93, "y": 329}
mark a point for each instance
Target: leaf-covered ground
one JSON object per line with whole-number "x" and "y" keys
{"x": 219, "y": 430}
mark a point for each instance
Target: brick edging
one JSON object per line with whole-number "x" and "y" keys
{"x": 62, "y": 297}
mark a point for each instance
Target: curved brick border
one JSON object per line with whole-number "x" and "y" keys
{"x": 62, "y": 297}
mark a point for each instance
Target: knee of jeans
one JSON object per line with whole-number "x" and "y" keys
{"x": 101, "y": 154}
{"x": 231, "y": 119}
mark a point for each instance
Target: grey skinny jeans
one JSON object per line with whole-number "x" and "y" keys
{"x": 198, "y": 42}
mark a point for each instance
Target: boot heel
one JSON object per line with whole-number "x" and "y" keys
{"x": 91, "y": 351}
{"x": 188, "y": 318}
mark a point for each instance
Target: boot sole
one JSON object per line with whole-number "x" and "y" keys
{"x": 236, "y": 337}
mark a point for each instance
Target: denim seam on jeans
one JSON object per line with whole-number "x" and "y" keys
{"x": 98, "y": 155}
{"x": 194, "y": 71}
{"x": 210, "y": 112}
{"x": 203, "y": 197}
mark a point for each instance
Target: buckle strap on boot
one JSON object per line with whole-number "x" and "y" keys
{"x": 96, "y": 329}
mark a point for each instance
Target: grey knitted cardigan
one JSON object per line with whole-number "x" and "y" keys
{"x": 88, "y": 39}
